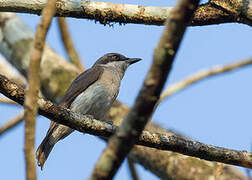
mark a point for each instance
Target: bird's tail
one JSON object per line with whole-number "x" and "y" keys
{"x": 55, "y": 133}
{"x": 44, "y": 149}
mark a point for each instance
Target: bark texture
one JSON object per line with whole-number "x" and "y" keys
{"x": 30, "y": 104}
{"x": 215, "y": 12}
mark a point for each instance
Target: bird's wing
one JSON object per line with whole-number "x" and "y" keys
{"x": 80, "y": 84}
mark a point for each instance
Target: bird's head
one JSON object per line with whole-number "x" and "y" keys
{"x": 118, "y": 61}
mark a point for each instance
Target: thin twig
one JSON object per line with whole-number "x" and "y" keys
{"x": 30, "y": 104}
{"x": 12, "y": 123}
{"x": 132, "y": 169}
{"x": 107, "y": 12}
{"x": 164, "y": 141}
{"x": 201, "y": 75}
{"x": 7, "y": 101}
{"x": 8, "y": 70}
{"x": 122, "y": 142}
{"x": 69, "y": 46}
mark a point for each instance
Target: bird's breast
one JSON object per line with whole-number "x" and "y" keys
{"x": 97, "y": 99}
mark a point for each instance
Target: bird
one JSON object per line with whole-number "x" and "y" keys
{"x": 91, "y": 93}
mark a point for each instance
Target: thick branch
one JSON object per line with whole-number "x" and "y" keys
{"x": 122, "y": 142}
{"x": 30, "y": 104}
{"x": 9, "y": 71}
{"x": 164, "y": 141}
{"x": 106, "y": 12}
{"x": 69, "y": 46}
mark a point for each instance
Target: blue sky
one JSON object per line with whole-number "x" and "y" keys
{"x": 216, "y": 111}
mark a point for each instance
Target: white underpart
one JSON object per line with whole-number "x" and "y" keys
{"x": 95, "y": 101}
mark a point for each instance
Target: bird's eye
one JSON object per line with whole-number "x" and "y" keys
{"x": 115, "y": 57}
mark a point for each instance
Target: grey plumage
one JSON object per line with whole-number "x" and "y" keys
{"x": 92, "y": 92}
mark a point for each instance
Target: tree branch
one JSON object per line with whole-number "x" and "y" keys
{"x": 132, "y": 169}
{"x": 201, "y": 75}
{"x": 106, "y": 12}
{"x": 8, "y": 70}
{"x": 69, "y": 46}
{"x": 12, "y": 123}
{"x": 30, "y": 104}
{"x": 7, "y": 101}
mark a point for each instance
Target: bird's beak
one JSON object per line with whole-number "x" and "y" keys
{"x": 133, "y": 60}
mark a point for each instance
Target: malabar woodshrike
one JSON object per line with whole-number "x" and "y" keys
{"x": 92, "y": 92}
